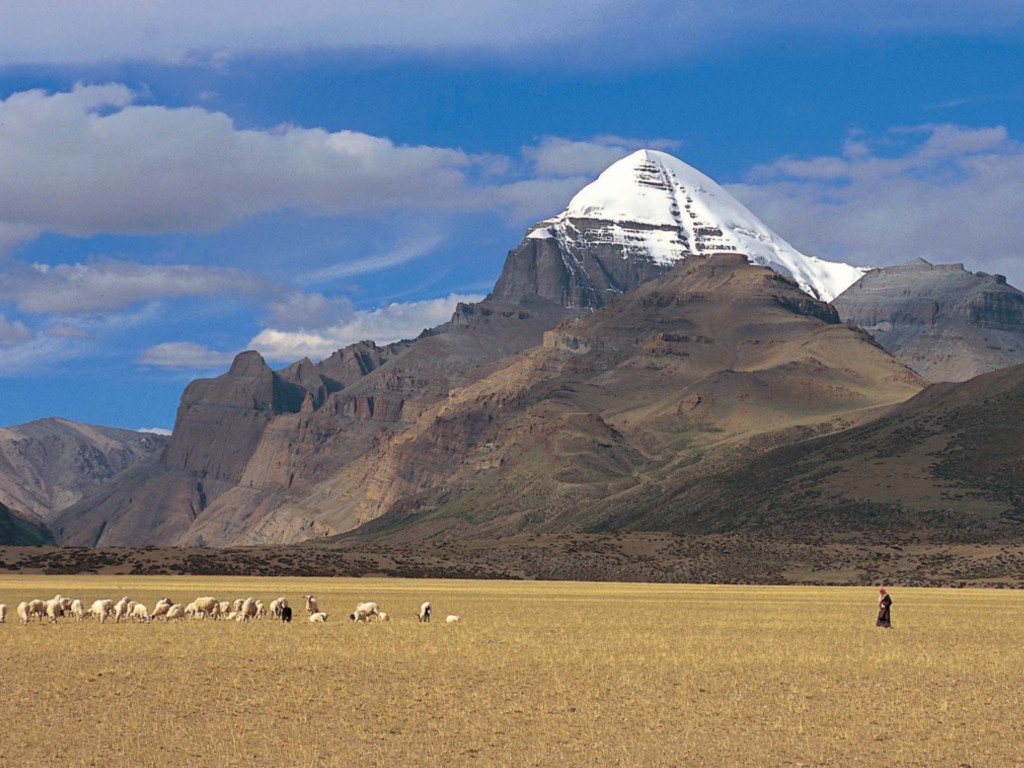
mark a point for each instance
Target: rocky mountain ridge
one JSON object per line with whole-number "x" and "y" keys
{"x": 946, "y": 323}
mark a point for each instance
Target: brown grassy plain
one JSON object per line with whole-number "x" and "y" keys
{"x": 537, "y": 674}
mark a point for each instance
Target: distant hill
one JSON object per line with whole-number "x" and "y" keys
{"x": 48, "y": 465}
{"x": 946, "y": 466}
{"x": 946, "y": 323}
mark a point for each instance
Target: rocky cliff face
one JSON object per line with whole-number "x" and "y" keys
{"x": 48, "y": 465}
{"x": 251, "y": 448}
{"x": 946, "y": 323}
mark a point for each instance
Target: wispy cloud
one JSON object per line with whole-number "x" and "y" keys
{"x": 406, "y": 253}
{"x": 185, "y": 355}
{"x": 940, "y": 192}
{"x": 110, "y": 286}
{"x": 194, "y": 33}
{"x": 14, "y": 332}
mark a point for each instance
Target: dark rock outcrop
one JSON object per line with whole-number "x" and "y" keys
{"x": 946, "y": 323}
{"x": 19, "y": 531}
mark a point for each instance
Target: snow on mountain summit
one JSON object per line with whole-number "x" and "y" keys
{"x": 656, "y": 207}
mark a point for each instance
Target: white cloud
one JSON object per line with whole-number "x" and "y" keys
{"x": 555, "y": 156}
{"x": 12, "y": 333}
{"x": 106, "y": 286}
{"x": 185, "y": 355}
{"x": 91, "y": 160}
{"x": 383, "y": 325}
{"x": 155, "y": 431}
{"x": 943, "y": 193}
{"x": 193, "y": 32}
{"x": 307, "y": 310}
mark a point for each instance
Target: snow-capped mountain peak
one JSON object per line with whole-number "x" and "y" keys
{"x": 655, "y": 207}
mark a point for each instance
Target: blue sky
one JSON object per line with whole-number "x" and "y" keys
{"x": 181, "y": 182}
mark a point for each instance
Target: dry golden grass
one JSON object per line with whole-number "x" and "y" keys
{"x": 537, "y": 674}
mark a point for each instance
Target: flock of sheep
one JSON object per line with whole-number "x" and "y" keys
{"x": 242, "y": 609}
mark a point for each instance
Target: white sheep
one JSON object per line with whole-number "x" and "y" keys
{"x": 236, "y": 606}
{"x": 383, "y": 616}
{"x": 139, "y": 613}
{"x": 277, "y": 607}
{"x": 54, "y": 609}
{"x": 452, "y": 619}
{"x": 424, "y": 614}
{"x": 318, "y": 618}
{"x": 101, "y": 609}
{"x": 23, "y": 614}
{"x": 364, "y": 611}
{"x": 261, "y": 609}
{"x": 161, "y": 609}
{"x": 207, "y": 607}
{"x": 311, "y": 606}
{"x": 77, "y": 610}
{"x": 225, "y": 608}
{"x": 248, "y": 609}
{"x": 37, "y": 609}
{"x": 121, "y": 609}
{"x": 175, "y": 612}
{"x": 3, "y": 613}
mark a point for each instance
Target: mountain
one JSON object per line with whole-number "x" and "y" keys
{"x": 712, "y": 362}
{"x": 641, "y": 216}
{"x": 943, "y": 467}
{"x": 250, "y": 448}
{"x": 48, "y": 465}
{"x": 545, "y": 407}
{"x": 946, "y": 323}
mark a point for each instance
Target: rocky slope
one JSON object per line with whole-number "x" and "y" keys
{"x": 944, "y": 467}
{"x": 250, "y": 448}
{"x": 715, "y": 361}
{"x": 641, "y": 216}
{"x": 946, "y": 323}
{"x": 48, "y": 465}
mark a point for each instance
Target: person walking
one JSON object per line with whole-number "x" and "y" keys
{"x": 884, "y": 606}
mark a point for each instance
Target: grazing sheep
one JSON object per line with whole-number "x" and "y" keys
{"x": 318, "y": 618}
{"x": 311, "y": 606}
{"x": 54, "y": 610}
{"x": 139, "y": 613}
{"x": 364, "y": 611}
{"x": 424, "y": 614}
{"x": 3, "y": 613}
{"x": 225, "y": 608}
{"x": 175, "y": 612}
{"x": 236, "y": 606}
{"x": 23, "y": 614}
{"x": 207, "y": 607}
{"x": 248, "y": 609}
{"x": 261, "y": 609}
{"x": 37, "y": 609}
{"x": 384, "y": 617}
{"x": 451, "y": 619}
{"x": 276, "y": 606}
{"x": 162, "y": 607}
{"x": 286, "y": 614}
{"x": 77, "y": 610}
{"x": 101, "y": 609}
{"x": 121, "y": 610}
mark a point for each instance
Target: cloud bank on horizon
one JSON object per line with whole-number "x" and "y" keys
{"x": 156, "y": 228}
